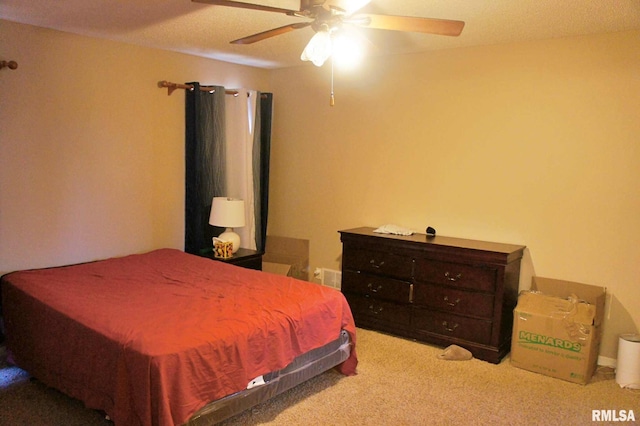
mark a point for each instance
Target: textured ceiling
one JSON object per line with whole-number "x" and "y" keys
{"x": 204, "y": 30}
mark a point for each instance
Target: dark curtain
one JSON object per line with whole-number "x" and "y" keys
{"x": 204, "y": 163}
{"x": 261, "y": 157}
{"x": 205, "y": 140}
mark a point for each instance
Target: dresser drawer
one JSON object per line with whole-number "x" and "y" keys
{"x": 377, "y": 287}
{"x": 366, "y": 309}
{"x": 474, "y": 330}
{"x": 378, "y": 262}
{"x": 455, "y": 301}
{"x": 456, "y": 274}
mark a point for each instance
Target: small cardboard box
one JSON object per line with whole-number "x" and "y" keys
{"x": 277, "y": 268}
{"x": 557, "y": 329}
{"x": 292, "y": 252}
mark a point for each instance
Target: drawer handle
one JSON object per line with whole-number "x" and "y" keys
{"x": 446, "y": 299}
{"x": 446, "y": 326}
{"x": 374, "y": 290}
{"x": 377, "y": 266}
{"x": 375, "y": 310}
{"x": 448, "y": 276}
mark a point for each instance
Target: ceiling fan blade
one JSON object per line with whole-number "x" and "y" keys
{"x": 271, "y": 33}
{"x": 243, "y": 5}
{"x": 409, "y": 23}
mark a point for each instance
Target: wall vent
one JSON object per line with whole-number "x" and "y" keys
{"x": 331, "y": 278}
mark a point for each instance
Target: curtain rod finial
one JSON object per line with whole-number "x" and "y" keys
{"x": 12, "y": 65}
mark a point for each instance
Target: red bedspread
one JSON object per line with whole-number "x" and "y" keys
{"x": 151, "y": 338}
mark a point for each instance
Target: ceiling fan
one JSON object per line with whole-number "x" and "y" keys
{"x": 326, "y": 17}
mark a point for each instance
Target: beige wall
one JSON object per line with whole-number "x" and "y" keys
{"x": 91, "y": 150}
{"x": 532, "y": 143}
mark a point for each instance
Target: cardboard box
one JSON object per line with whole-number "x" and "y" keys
{"x": 293, "y": 252}
{"x": 557, "y": 329}
{"x": 277, "y": 268}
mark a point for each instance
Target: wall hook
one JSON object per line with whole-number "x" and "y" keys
{"x": 12, "y": 65}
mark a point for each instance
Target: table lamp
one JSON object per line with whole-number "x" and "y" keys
{"x": 228, "y": 213}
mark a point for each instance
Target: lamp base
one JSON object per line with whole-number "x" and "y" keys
{"x": 229, "y": 235}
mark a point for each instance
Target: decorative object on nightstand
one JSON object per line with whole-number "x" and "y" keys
{"x": 227, "y": 213}
{"x": 222, "y": 249}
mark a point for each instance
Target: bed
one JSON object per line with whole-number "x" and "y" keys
{"x": 169, "y": 338}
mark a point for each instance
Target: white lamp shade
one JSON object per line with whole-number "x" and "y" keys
{"x": 318, "y": 49}
{"x": 227, "y": 212}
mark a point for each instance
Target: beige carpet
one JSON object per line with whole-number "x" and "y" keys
{"x": 399, "y": 382}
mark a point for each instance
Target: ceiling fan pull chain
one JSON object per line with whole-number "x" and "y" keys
{"x": 332, "y": 100}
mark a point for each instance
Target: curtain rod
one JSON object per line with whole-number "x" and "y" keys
{"x": 173, "y": 86}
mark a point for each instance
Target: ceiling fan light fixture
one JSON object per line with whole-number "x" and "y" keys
{"x": 319, "y": 48}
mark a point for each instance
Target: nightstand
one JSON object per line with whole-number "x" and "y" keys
{"x": 245, "y": 258}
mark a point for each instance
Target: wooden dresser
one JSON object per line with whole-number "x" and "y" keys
{"x": 438, "y": 290}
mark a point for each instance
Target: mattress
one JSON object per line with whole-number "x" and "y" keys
{"x": 303, "y": 368}
{"x": 151, "y": 339}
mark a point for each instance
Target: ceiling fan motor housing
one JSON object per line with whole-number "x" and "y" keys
{"x": 310, "y": 4}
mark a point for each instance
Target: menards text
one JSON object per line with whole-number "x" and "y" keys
{"x": 528, "y": 337}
